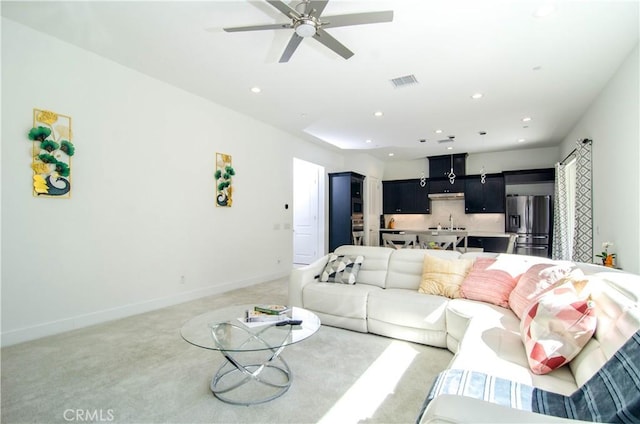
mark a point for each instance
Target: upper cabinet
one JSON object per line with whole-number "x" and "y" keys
{"x": 484, "y": 198}
{"x": 439, "y": 169}
{"x": 529, "y": 176}
{"x": 405, "y": 196}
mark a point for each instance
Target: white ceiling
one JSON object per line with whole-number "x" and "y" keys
{"x": 549, "y": 69}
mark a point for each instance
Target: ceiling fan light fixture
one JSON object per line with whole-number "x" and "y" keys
{"x": 305, "y": 28}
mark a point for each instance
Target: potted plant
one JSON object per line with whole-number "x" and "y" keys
{"x": 607, "y": 258}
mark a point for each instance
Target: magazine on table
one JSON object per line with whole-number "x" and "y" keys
{"x": 255, "y": 318}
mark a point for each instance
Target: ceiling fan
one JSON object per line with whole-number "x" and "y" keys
{"x": 306, "y": 21}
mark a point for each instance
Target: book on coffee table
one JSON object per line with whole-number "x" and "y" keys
{"x": 255, "y": 318}
{"x": 272, "y": 309}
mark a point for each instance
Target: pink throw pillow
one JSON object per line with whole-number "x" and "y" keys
{"x": 534, "y": 282}
{"x": 556, "y": 328}
{"x": 486, "y": 283}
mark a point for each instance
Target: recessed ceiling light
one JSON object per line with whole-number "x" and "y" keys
{"x": 377, "y": 114}
{"x": 391, "y": 154}
{"x": 476, "y": 96}
{"x": 438, "y": 131}
{"x": 521, "y": 140}
{"x": 256, "y": 89}
{"x": 537, "y": 68}
{"x": 450, "y": 148}
{"x": 367, "y": 141}
{"x": 526, "y": 119}
{"x": 545, "y": 10}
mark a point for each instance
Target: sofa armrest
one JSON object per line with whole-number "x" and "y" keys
{"x": 462, "y": 409}
{"x": 302, "y": 276}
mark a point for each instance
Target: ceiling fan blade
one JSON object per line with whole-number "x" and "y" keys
{"x": 317, "y": 6}
{"x": 357, "y": 19}
{"x": 258, "y": 27}
{"x": 293, "y": 44}
{"x": 326, "y": 39}
{"x": 285, "y": 9}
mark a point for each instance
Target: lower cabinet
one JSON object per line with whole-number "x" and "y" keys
{"x": 489, "y": 244}
{"x": 405, "y": 196}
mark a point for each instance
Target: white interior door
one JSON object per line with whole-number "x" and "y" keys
{"x": 307, "y": 223}
{"x": 373, "y": 200}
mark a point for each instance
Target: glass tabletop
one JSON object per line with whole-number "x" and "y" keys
{"x": 224, "y": 330}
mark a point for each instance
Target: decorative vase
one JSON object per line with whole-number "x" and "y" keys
{"x": 608, "y": 261}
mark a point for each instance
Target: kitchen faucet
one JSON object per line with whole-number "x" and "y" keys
{"x": 451, "y": 221}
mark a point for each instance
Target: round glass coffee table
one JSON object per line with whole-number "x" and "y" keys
{"x": 254, "y": 372}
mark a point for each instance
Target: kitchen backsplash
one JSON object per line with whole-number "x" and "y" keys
{"x": 440, "y": 211}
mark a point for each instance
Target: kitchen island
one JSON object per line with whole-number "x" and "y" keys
{"x": 487, "y": 241}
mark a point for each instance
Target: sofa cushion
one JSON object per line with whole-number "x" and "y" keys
{"x": 405, "y": 266}
{"x": 488, "y": 283}
{"x": 534, "y": 282}
{"x": 556, "y": 327}
{"x": 490, "y": 342}
{"x": 408, "y": 315}
{"x": 341, "y": 269}
{"x": 373, "y": 270}
{"x": 408, "y": 308}
{"x": 617, "y": 298}
{"x": 443, "y": 277}
{"x": 338, "y": 299}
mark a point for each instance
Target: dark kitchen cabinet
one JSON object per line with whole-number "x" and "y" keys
{"x": 444, "y": 185}
{"x": 439, "y": 169}
{"x": 530, "y": 176}
{"x": 484, "y": 198}
{"x": 345, "y": 207}
{"x": 405, "y": 196}
{"x": 489, "y": 244}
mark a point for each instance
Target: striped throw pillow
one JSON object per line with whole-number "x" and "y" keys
{"x": 487, "y": 283}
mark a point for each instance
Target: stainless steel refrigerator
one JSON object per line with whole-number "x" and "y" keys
{"x": 530, "y": 217}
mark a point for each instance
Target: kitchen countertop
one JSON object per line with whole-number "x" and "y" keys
{"x": 444, "y": 231}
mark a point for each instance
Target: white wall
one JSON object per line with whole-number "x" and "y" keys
{"x": 612, "y": 122}
{"x": 508, "y": 160}
{"x": 142, "y": 212}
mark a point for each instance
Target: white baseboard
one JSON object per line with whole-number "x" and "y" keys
{"x": 12, "y": 337}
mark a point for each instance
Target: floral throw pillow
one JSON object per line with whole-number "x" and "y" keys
{"x": 556, "y": 327}
{"x": 341, "y": 269}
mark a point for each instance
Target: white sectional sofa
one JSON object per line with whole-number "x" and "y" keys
{"x": 483, "y": 337}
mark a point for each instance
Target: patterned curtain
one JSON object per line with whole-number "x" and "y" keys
{"x": 583, "y": 234}
{"x": 562, "y": 225}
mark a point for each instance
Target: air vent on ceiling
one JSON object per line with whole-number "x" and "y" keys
{"x": 450, "y": 139}
{"x": 404, "y": 81}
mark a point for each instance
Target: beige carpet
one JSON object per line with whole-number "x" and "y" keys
{"x": 139, "y": 370}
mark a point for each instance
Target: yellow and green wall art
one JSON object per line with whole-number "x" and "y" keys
{"x": 52, "y": 150}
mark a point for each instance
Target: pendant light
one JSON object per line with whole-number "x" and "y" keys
{"x": 483, "y": 173}
{"x": 452, "y": 176}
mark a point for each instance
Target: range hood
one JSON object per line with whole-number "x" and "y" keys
{"x": 446, "y": 196}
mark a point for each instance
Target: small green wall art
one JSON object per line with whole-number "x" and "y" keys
{"x": 52, "y": 150}
{"x": 223, "y": 179}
